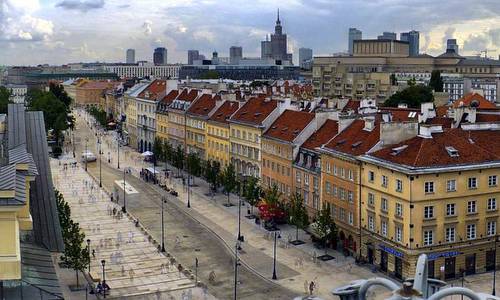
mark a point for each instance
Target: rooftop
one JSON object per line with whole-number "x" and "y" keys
{"x": 474, "y": 100}
{"x": 255, "y": 111}
{"x": 155, "y": 90}
{"x": 224, "y": 112}
{"x": 322, "y": 135}
{"x": 289, "y": 125}
{"x": 204, "y": 105}
{"x": 355, "y": 139}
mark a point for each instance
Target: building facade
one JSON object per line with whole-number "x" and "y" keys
{"x": 147, "y": 101}
{"x": 160, "y": 56}
{"x": 354, "y": 35}
{"x": 144, "y": 70}
{"x": 177, "y": 117}
{"x": 130, "y": 56}
{"x": 162, "y": 115}
{"x": 218, "y": 144}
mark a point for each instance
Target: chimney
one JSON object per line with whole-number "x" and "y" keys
{"x": 426, "y": 131}
{"x": 402, "y": 105}
{"x": 427, "y": 112}
{"x": 171, "y": 85}
{"x": 369, "y": 124}
{"x": 344, "y": 122}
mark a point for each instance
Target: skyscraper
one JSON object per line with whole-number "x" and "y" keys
{"x": 413, "y": 38}
{"x": 354, "y": 34}
{"x": 192, "y": 56}
{"x": 451, "y": 44}
{"x": 130, "y": 56}
{"x": 305, "y": 55}
{"x": 235, "y": 54}
{"x": 160, "y": 56}
{"x": 277, "y": 47}
{"x": 387, "y": 36}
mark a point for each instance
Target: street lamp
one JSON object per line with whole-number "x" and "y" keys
{"x": 163, "y": 200}
{"x": 118, "y": 150}
{"x": 236, "y": 270}
{"x": 124, "y": 208}
{"x": 99, "y": 141}
{"x": 88, "y": 249}
{"x": 240, "y": 237}
{"x": 86, "y": 153}
{"x": 189, "y": 202}
{"x": 276, "y": 236}
{"x": 103, "y": 263}
{"x": 73, "y": 142}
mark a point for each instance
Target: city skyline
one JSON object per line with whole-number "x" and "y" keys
{"x": 63, "y": 31}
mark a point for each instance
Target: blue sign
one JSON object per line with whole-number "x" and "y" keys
{"x": 391, "y": 251}
{"x": 432, "y": 256}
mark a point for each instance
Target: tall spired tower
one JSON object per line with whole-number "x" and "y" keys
{"x": 278, "y": 42}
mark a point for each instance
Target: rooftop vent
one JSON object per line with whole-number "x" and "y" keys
{"x": 355, "y": 145}
{"x": 258, "y": 114}
{"x": 412, "y": 114}
{"x": 471, "y": 141}
{"x": 274, "y": 127}
{"x": 284, "y": 129}
{"x": 341, "y": 142}
{"x": 397, "y": 150}
{"x": 452, "y": 152}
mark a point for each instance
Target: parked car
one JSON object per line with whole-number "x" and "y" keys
{"x": 88, "y": 156}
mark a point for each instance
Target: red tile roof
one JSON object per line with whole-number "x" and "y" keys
{"x": 168, "y": 98}
{"x": 472, "y": 146}
{"x": 442, "y": 111}
{"x": 322, "y": 135}
{"x": 188, "y": 95}
{"x": 99, "y": 85}
{"x": 352, "y": 105}
{"x": 354, "y": 140}
{"x": 203, "y": 105}
{"x": 402, "y": 114}
{"x": 445, "y": 121}
{"x": 255, "y": 111}
{"x": 289, "y": 125}
{"x": 224, "y": 112}
{"x": 155, "y": 90}
{"x": 476, "y": 98}
{"x": 482, "y": 117}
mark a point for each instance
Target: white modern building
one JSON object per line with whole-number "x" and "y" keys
{"x": 17, "y": 92}
{"x": 142, "y": 70}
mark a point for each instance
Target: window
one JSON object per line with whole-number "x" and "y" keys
{"x": 306, "y": 179}
{"x": 471, "y": 207}
{"x": 371, "y": 199}
{"x": 428, "y": 237}
{"x": 471, "y": 231}
{"x": 491, "y": 228}
{"x": 342, "y": 172}
{"x": 399, "y": 233}
{"x": 384, "y": 206}
{"x": 492, "y": 204}
{"x": 451, "y": 185}
{"x": 371, "y": 176}
{"x": 350, "y": 196}
{"x": 449, "y": 234}
{"x": 297, "y": 176}
{"x": 335, "y": 191}
{"x": 428, "y": 212}
{"x": 472, "y": 183}
{"x": 399, "y": 209}
{"x": 328, "y": 167}
{"x": 328, "y": 187}
{"x": 350, "y": 175}
{"x": 399, "y": 185}
{"x": 385, "y": 181}
{"x": 371, "y": 223}
{"x": 334, "y": 170}
{"x": 450, "y": 209}
{"x": 429, "y": 187}
{"x": 351, "y": 218}
{"x": 492, "y": 180}
{"x": 383, "y": 227}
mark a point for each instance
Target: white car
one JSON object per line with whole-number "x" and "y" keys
{"x": 88, "y": 156}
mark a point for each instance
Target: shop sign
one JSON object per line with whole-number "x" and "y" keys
{"x": 391, "y": 251}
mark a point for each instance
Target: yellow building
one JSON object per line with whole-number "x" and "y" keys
{"x": 15, "y": 179}
{"x": 217, "y": 146}
{"x": 196, "y": 123}
{"x": 246, "y": 128}
{"x": 162, "y": 115}
{"x": 435, "y": 194}
{"x": 177, "y": 117}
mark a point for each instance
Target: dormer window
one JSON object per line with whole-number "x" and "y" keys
{"x": 452, "y": 152}
{"x": 398, "y": 150}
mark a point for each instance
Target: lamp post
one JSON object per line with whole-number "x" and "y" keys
{"x": 276, "y": 236}
{"x": 73, "y": 141}
{"x": 103, "y": 263}
{"x": 99, "y": 141}
{"x": 118, "y": 150}
{"x": 495, "y": 268}
{"x": 240, "y": 237}
{"x": 189, "y": 201}
{"x": 88, "y": 249}
{"x": 236, "y": 270}
{"x": 163, "y": 200}
{"x": 86, "y": 154}
{"x": 124, "y": 207}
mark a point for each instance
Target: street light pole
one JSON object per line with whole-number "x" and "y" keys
{"x": 103, "y": 262}
{"x": 236, "y": 270}
{"x": 189, "y": 202}
{"x": 495, "y": 268}
{"x": 118, "y": 149}
{"x": 88, "y": 249}
{"x": 276, "y": 235}
{"x": 86, "y": 153}
{"x": 100, "y": 161}
{"x": 163, "y": 200}
{"x": 240, "y": 237}
{"x": 73, "y": 142}
{"x": 124, "y": 208}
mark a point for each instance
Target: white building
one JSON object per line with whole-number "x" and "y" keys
{"x": 142, "y": 70}
{"x": 17, "y": 92}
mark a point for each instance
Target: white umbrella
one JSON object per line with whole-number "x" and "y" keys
{"x": 147, "y": 153}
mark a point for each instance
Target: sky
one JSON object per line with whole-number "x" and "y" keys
{"x": 65, "y": 31}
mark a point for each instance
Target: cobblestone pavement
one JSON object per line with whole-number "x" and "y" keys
{"x": 134, "y": 266}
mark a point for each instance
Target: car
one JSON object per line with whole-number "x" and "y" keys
{"x": 88, "y": 157}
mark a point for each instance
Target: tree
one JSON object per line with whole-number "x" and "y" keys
{"x": 157, "y": 150}
{"x": 436, "y": 82}
{"x": 411, "y": 82}
{"x": 193, "y": 164}
{"x": 64, "y": 213}
{"x": 4, "y": 99}
{"x": 297, "y": 215}
{"x": 211, "y": 170}
{"x": 325, "y": 228}
{"x": 228, "y": 179}
{"x": 210, "y": 74}
{"x": 413, "y": 96}
{"x": 252, "y": 191}
{"x": 178, "y": 159}
{"x": 75, "y": 255}
{"x": 393, "y": 79}
{"x": 270, "y": 209}
{"x": 168, "y": 152}
{"x": 60, "y": 93}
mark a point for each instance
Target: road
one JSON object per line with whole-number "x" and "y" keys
{"x": 186, "y": 238}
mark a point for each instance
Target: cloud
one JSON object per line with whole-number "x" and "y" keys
{"x": 81, "y": 5}
{"x": 146, "y": 26}
{"x": 18, "y": 24}
{"x": 476, "y": 42}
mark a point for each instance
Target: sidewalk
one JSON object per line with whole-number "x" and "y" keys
{"x": 134, "y": 267}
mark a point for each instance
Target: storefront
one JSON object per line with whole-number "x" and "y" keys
{"x": 449, "y": 269}
{"x": 396, "y": 259}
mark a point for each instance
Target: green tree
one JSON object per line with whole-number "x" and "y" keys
{"x": 60, "y": 93}
{"x": 324, "y": 227}
{"x": 64, "y": 213}
{"x": 413, "y": 96}
{"x": 4, "y": 99}
{"x": 272, "y": 195}
{"x": 210, "y": 74}
{"x": 211, "y": 170}
{"x": 411, "y": 82}
{"x": 436, "y": 82}
{"x": 252, "y": 191}
{"x": 168, "y": 152}
{"x": 228, "y": 179}
{"x": 393, "y": 79}
{"x": 75, "y": 255}
{"x": 193, "y": 164}
{"x": 157, "y": 150}
{"x": 297, "y": 214}
{"x": 178, "y": 159}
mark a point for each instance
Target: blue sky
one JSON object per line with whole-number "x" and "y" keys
{"x": 62, "y": 31}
